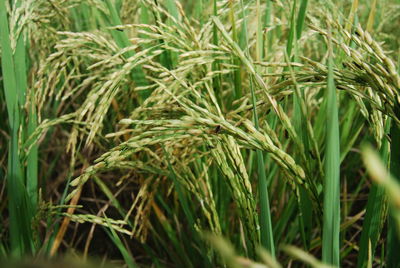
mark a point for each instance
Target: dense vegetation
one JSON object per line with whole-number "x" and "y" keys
{"x": 207, "y": 133}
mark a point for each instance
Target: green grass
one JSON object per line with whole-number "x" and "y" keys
{"x": 393, "y": 239}
{"x": 212, "y": 133}
{"x": 331, "y": 221}
{"x": 22, "y": 196}
{"x": 375, "y": 213}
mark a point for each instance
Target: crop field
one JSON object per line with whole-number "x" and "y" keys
{"x": 200, "y": 133}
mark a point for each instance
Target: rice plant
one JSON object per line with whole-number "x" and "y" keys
{"x": 209, "y": 133}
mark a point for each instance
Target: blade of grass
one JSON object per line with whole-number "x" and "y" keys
{"x": 375, "y": 216}
{"x": 237, "y": 75}
{"x": 129, "y": 261}
{"x": 217, "y": 81}
{"x": 144, "y": 19}
{"x": 371, "y": 16}
{"x": 20, "y": 215}
{"x": 114, "y": 201}
{"x": 198, "y": 11}
{"x": 122, "y": 40}
{"x": 299, "y": 122}
{"x": 55, "y": 233}
{"x": 267, "y": 239}
{"x": 174, "y": 12}
{"x": 393, "y": 241}
{"x": 352, "y": 15}
{"x": 32, "y": 158}
{"x": 301, "y": 17}
{"x": 291, "y": 37}
{"x": 300, "y": 119}
{"x": 10, "y": 84}
{"x": 267, "y": 23}
{"x": 32, "y": 161}
{"x": 285, "y": 217}
{"x": 181, "y": 195}
{"x": 386, "y": 180}
{"x": 172, "y": 9}
{"x": 173, "y": 241}
{"x": 22, "y": 85}
{"x": 331, "y": 213}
